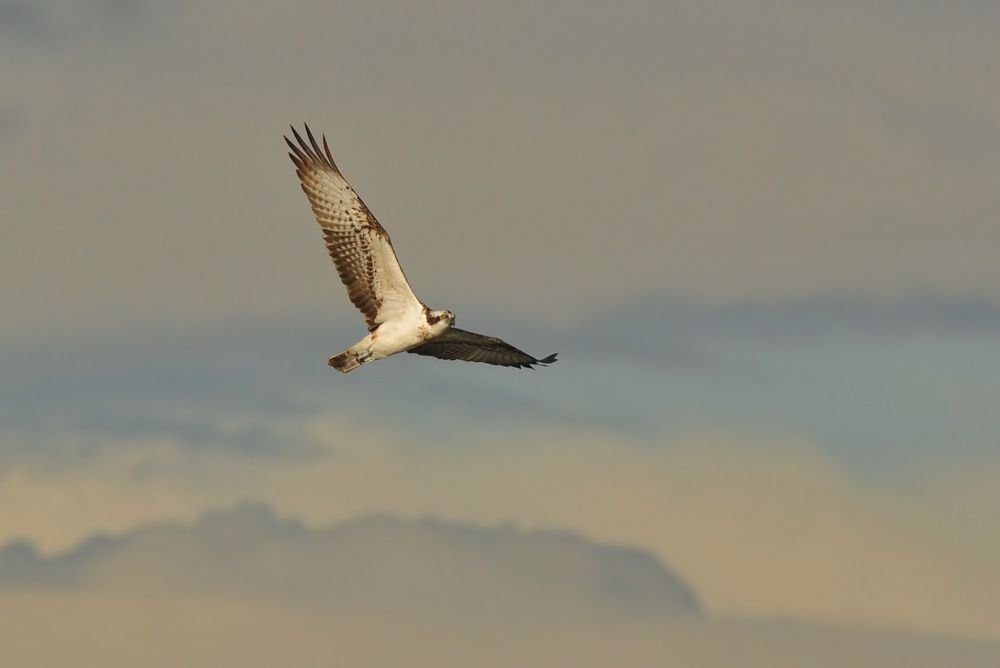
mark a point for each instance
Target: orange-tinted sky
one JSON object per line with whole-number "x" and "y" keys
{"x": 762, "y": 238}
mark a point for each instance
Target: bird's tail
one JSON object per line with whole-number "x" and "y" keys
{"x": 345, "y": 361}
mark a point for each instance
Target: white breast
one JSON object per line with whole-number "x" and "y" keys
{"x": 400, "y": 335}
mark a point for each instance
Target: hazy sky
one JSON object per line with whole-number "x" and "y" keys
{"x": 762, "y": 236}
{"x": 244, "y": 587}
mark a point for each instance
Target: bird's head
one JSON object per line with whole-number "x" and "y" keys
{"x": 439, "y": 319}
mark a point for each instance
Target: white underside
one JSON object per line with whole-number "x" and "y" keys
{"x": 397, "y": 336}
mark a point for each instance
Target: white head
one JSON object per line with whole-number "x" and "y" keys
{"x": 439, "y": 321}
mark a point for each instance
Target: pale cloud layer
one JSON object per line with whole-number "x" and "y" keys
{"x": 758, "y": 528}
{"x": 57, "y": 629}
{"x": 877, "y": 388}
{"x": 376, "y": 565}
{"x": 245, "y": 587}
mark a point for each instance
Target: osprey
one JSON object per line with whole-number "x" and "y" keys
{"x": 363, "y": 254}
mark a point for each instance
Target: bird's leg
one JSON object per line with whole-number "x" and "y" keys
{"x": 364, "y": 355}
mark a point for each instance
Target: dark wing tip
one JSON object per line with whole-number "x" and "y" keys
{"x": 329, "y": 156}
{"x": 315, "y": 146}
{"x": 530, "y": 366}
{"x": 299, "y": 158}
{"x": 298, "y": 138}
{"x": 303, "y": 148}
{"x": 311, "y": 151}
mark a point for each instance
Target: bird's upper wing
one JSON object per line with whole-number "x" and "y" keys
{"x": 359, "y": 246}
{"x": 458, "y": 344}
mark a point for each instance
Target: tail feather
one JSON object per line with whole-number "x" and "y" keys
{"x": 345, "y": 361}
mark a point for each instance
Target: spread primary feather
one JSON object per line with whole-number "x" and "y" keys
{"x": 366, "y": 262}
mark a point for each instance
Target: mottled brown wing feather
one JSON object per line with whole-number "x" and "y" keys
{"x": 458, "y": 344}
{"x": 359, "y": 246}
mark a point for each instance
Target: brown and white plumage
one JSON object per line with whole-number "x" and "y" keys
{"x": 366, "y": 262}
{"x": 359, "y": 245}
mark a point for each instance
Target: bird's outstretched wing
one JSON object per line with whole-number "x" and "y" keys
{"x": 359, "y": 245}
{"x": 458, "y": 344}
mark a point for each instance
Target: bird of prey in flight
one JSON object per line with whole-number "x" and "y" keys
{"x": 363, "y": 254}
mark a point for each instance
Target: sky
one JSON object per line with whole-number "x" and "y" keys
{"x": 246, "y": 587}
{"x": 761, "y": 236}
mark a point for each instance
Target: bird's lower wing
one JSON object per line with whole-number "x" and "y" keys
{"x": 458, "y": 344}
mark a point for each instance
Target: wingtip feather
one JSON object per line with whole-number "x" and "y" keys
{"x": 303, "y": 148}
{"x": 314, "y": 144}
{"x": 329, "y": 155}
{"x": 311, "y": 151}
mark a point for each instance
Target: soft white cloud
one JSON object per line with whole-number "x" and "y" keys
{"x": 380, "y": 565}
{"x": 242, "y": 587}
{"x": 121, "y": 632}
{"x": 756, "y": 525}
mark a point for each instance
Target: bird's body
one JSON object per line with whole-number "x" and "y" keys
{"x": 363, "y": 254}
{"x": 394, "y": 336}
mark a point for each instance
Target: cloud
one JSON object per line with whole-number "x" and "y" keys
{"x": 382, "y": 591}
{"x": 59, "y": 629}
{"x": 380, "y": 565}
{"x": 758, "y": 526}
{"x": 649, "y": 370}
{"x": 739, "y": 167}
{"x": 816, "y": 320}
